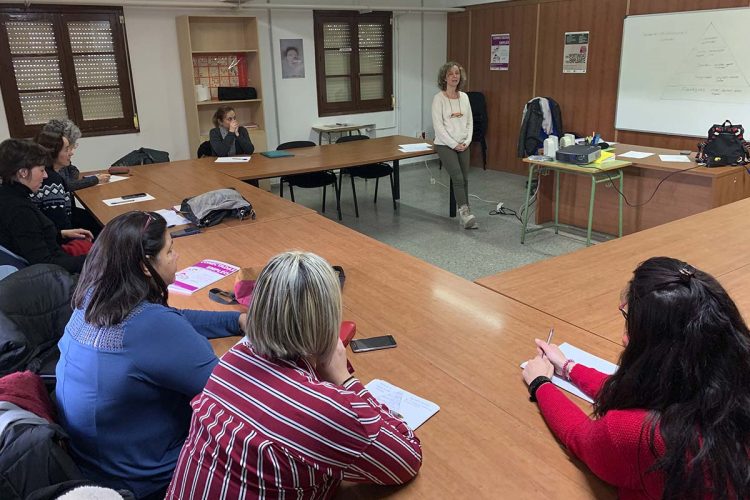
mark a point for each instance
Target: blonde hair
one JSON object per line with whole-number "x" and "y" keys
{"x": 441, "y": 80}
{"x": 296, "y": 308}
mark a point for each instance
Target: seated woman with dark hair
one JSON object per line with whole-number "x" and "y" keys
{"x": 281, "y": 417}
{"x": 24, "y": 229}
{"x": 129, "y": 364}
{"x": 227, "y": 137}
{"x": 674, "y": 420}
{"x": 70, "y": 172}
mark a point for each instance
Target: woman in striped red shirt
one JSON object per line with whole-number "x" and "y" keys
{"x": 281, "y": 415}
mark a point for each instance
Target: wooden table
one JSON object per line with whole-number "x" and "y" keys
{"x": 680, "y": 195}
{"x": 598, "y": 173}
{"x": 583, "y": 288}
{"x": 338, "y": 129}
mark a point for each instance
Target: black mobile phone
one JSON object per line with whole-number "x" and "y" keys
{"x": 131, "y": 196}
{"x": 373, "y": 343}
{"x": 185, "y": 232}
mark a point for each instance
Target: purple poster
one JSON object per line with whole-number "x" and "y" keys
{"x": 500, "y": 52}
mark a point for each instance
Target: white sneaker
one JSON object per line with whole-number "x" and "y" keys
{"x": 468, "y": 221}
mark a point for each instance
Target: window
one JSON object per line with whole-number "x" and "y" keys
{"x": 72, "y": 62}
{"x": 353, "y": 55}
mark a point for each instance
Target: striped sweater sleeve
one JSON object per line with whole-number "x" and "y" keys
{"x": 393, "y": 454}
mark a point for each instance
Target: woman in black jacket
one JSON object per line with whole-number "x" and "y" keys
{"x": 24, "y": 229}
{"x": 227, "y": 137}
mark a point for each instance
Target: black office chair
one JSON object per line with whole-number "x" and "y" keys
{"x": 311, "y": 179}
{"x": 205, "y": 149}
{"x": 479, "y": 113}
{"x": 371, "y": 171}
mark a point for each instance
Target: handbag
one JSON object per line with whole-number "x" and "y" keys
{"x": 209, "y": 209}
{"x": 725, "y": 145}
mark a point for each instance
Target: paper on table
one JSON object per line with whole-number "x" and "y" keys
{"x": 116, "y": 178}
{"x": 172, "y": 217}
{"x": 635, "y": 154}
{"x": 675, "y": 158}
{"x": 233, "y": 159}
{"x": 414, "y": 409}
{"x": 111, "y": 202}
{"x": 586, "y": 359}
{"x": 412, "y": 148}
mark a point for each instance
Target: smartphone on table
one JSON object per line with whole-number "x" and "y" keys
{"x": 185, "y": 232}
{"x": 373, "y": 343}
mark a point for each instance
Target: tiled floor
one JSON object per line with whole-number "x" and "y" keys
{"x": 421, "y": 226}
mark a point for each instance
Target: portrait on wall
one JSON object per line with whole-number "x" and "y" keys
{"x": 292, "y": 58}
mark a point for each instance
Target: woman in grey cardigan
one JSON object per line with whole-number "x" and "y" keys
{"x": 227, "y": 137}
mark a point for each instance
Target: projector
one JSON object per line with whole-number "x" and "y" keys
{"x": 579, "y": 154}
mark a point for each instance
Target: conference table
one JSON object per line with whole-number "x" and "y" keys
{"x": 459, "y": 344}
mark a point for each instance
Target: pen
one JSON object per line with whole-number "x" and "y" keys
{"x": 551, "y": 333}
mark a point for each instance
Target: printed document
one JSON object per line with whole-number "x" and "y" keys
{"x": 413, "y": 409}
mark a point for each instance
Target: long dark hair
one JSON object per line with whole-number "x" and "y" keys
{"x": 53, "y": 143}
{"x": 16, "y": 154}
{"x": 687, "y": 363}
{"x": 113, "y": 281}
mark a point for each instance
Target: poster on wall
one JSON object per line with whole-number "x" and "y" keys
{"x": 575, "y": 52}
{"x": 292, "y": 58}
{"x": 499, "y": 52}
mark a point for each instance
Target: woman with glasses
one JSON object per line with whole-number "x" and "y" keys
{"x": 674, "y": 420}
{"x": 454, "y": 128}
{"x": 281, "y": 416}
{"x": 24, "y": 229}
{"x": 227, "y": 137}
{"x": 130, "y": 364}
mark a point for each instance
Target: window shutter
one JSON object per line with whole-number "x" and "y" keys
{"x": 338, "y": 55}
{"x": 371, "y": 61}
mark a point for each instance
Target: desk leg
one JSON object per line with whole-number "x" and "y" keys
{"x": 528, "y": 195}
{"x": 451, "y": 200}
{"x": 396, "y": 180}
{"x": 622, "y": 176}
{"x": 557, "y": 200}
{"x": 320, "y": 138}
{"x": 591, "y": 210}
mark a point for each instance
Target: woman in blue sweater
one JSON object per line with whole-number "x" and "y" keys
{"x": 129, "y": 364}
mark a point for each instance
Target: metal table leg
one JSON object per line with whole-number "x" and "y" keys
{"x": 528, "y": 195}
{"x": 451, "y": 200}
{"x": 621, "y": 195}
{"x": 396, "y": 180}
{"x": 591, "y": 210}
{"x": 557, "y": 200}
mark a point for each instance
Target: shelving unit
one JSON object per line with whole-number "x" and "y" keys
{"x": 220, "y": 38}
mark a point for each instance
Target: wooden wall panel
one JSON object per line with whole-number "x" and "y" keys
{"x": 506, "y": 91}
{"x": 588, "y": 101}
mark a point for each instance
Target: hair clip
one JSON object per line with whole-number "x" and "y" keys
{"x": 686, "y": 274}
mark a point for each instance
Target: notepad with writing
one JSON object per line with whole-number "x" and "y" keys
{"x": 413, "y": 409}
{"x": 586, "y": 359}
{"x": 276, "y": 154}
{"x": 193, "y": 278}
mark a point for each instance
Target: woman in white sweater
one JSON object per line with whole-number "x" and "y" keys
{"x": 454, "y": 127}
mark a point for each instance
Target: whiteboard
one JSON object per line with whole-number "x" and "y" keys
{"x": 681, "y": 73}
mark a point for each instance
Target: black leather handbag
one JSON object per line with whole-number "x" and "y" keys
{"x": 237, "y": 93}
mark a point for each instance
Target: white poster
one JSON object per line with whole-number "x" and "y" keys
{"x": 292, "y": 58}
{"x": 575, "y": 51}
{"x": 499, "y": 52}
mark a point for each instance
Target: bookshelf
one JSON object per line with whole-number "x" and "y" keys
{"x": 220, "y": 51}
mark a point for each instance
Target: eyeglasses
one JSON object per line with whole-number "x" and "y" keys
{"x": 623, "y": 311}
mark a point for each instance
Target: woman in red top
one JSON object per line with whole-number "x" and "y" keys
{"x": 674, "y": 420}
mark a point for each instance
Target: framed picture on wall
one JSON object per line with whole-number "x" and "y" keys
{"x": 292, "y": 58}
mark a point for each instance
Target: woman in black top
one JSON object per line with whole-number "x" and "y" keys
{"x": 228, "y": 138}
{"x": 24, "y": 229}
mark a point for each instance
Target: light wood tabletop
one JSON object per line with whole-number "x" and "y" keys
{"x": 583, "y": 287}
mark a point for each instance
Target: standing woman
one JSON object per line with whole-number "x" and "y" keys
{"x": 454, "y": 128}
{"x": 227, "y": 137}
{"x": 674, "y": 420}
{"x": 24, "y": 229}
{"x": 281, "y": 416}
{"x": 130, "y": 364}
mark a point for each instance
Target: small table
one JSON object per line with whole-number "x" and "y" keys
{"x": 607, "y": 171}
{"x": 329, "y": 129}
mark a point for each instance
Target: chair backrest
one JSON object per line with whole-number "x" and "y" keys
{"x": 347, "y": 138}
{"x": 295, "y": 145}
{"x": 10, "y": 262}
{"x": 205, "y": 149}
{"x": 479, "y": 112}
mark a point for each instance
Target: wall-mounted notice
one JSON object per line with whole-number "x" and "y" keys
{"x": 575, "y": 51}
{"x": 500, "y": 52}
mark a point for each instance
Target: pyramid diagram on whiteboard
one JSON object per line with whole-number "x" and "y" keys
{"x": 709, "y": 73}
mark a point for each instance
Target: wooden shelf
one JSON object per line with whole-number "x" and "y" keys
{"x": 224, "y": 51}
{"x": 217, "y": 102}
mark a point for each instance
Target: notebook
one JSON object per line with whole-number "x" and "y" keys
{"x": 276, "y": 154}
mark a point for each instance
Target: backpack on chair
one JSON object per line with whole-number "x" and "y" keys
{"x": 724, "y": 146}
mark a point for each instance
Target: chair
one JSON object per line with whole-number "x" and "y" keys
{"x": 479, "y": 113}
{"x": 371, "y": 171}
{"x": 205, "y": 149}
{"x": 311, "y": 179}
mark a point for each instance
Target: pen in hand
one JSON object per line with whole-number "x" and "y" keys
{"x": 549, "y": 339}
